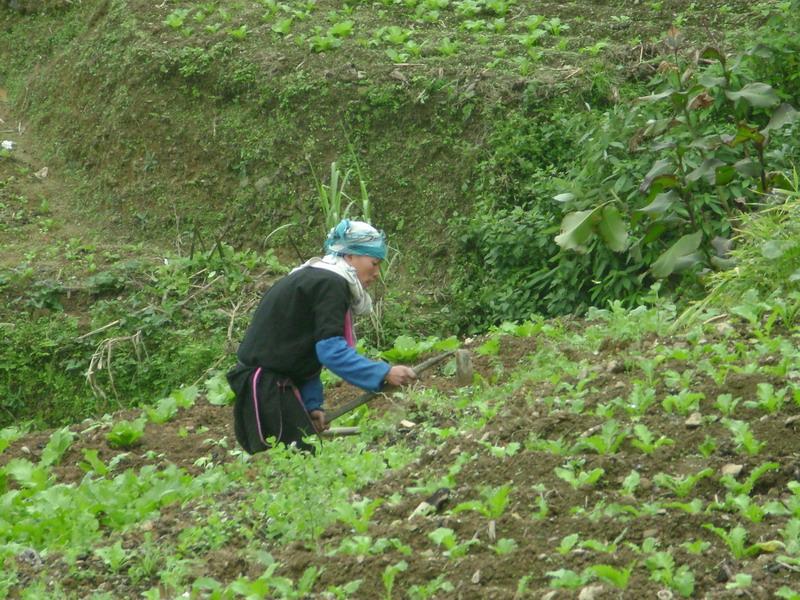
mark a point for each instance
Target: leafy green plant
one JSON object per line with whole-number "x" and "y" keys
{"x": 28, "y": 475}
{"x": 59, "y": 442}
{"x": 695, "y": 507}
{"x": 746, "y": 507}
{"x": 502, "y": 451}
{"x": 568, "y": 542}
{"x": 8, "y": 435}
{"x": 406, "y": 348}
{"x": 726, "y": 404}
{"x": 740, "y": 581}
{"x": 218, "y": 391}
{"x": 688, "y": 190}
{"x": 448, "y": 47}
{"x": 185, "y": 397}
{"x": 746, "y": 487}
{"x": 638, "y": 401}
{"x": 768, "y": 399}
{"x": 743, "y": 437}
{"x": 93, "y": 463}
{"x": 696, "y": 547}
{"x": 357, "y": 514}
{"x": 423, "y": 591}
{"x": 493, "y": 504}
{"x": 445, "y": 481}
{"x": 126, "y": 434}
{"x": 334, "y": 203}
{"x": 574, "y": 475}
{"x": 607, "y": 441}
{"x": 681, "y": 486}
{"x": 618, "y": 577}
{"x": 113, "y": 556}
{"x": 645, "y": 440}
{"x": 504, "y": 546}
{"x": 683, "y": 403}
{"x": 735, "y": 539}
{"x": 389, "y": 575}
{"x": 630, "y": 483}
{"x": 662, "y": 570}
{"x": 559, "y": 446}
{"x": 446, "y": 538}
{"x": 542, "y": 510}
{"x": 165, "y": 410}
{"x": 708, "y": 446}
{"x": 177, "y": 18}
{"x": 566, "y": 578}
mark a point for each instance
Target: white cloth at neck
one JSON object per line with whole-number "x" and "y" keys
{"x": 362, "y": 302}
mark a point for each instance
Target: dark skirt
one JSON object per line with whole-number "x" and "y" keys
{"x": 268, "y": 410}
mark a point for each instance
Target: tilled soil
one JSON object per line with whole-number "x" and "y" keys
{"x": 612, "y": 525}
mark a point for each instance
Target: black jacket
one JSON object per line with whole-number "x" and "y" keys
{"x": 301, "y": 309}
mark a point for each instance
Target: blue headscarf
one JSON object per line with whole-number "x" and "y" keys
{"x": 356, "y": 237}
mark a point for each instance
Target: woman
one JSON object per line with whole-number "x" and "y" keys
{"x": 305, "y": 322}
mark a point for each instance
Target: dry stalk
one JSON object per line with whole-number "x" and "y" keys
{"x": 103, "y": 358}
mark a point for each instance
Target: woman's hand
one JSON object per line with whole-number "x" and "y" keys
{"x": 318, "y": 419}
{"x": 400, "y": 375}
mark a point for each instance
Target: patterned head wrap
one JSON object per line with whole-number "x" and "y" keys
{"x": 356, "y": 237}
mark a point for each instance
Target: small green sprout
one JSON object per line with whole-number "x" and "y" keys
{"x": 681, "y": 486}
{"x": 572, "y": 473}
{"x": 446, "y": 538}
{"x": 646, "y": 441}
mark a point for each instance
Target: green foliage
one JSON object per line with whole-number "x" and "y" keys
{"x": 218, "y": 392}
{"x": 165, "y": 410}
{"x": 566, "y": 578}
{"x": 607, "y": 441}
{"x": 743, "y": 437}
{"x": 645, "y": 440}
{"x": 618, "y": 577}
{"x": 59, "y": 442}
{"x": 113, "y": 556}
{"x": 508, "y": 268}
{"x": 430, "y": 589}
{"x": 746, "y": 487}
{"x": 406, "y": 349}
{"x": 151, "y": 347}
{"x": 389, "y": 575}
{"x": 767, "y": 254}
{"x": 358, "y": 514}
{"x": 573, "y": 473}
{"x": 493, "y": 504}
{"x": 708, "y": 147}
{"x": 332, "y": 199}
{"x": 736, "y": 539}
{"x": 681, "y": 486}
{"x": 126, "y": 434}
{"x": 446, "y": 538}
{"x": 8, "y": 435}
{"x": 662, "y": 570}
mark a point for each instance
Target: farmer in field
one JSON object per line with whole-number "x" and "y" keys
{"x": 305, "y": 322}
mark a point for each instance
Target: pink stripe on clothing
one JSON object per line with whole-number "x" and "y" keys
{"x": 256, "y": 375}
{"x": 349, "y": 330}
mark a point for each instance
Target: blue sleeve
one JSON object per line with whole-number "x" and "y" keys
{"x": 311, "y": 393}
{"x": 336, "y": 355}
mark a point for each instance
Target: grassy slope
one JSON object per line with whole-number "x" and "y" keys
{"x": 161, "y": 127}
{"x": 201, "y": 126}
